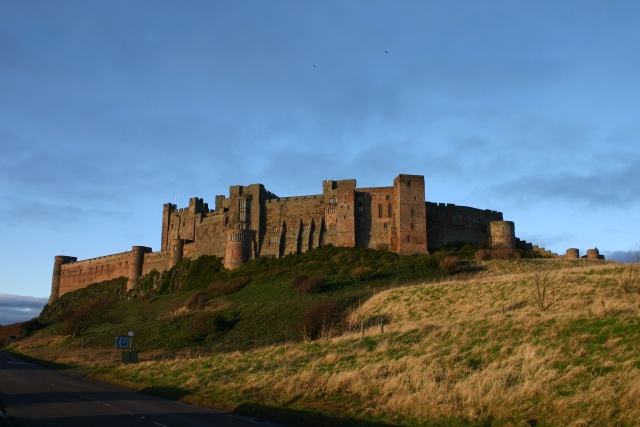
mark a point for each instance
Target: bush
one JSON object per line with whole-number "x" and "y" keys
{"x": 298, "y": 280}
{"x": 320, "y": 321}
{"x": 503, "y": 254}
{"x": 79, "y": 321}
{"x": 198, "y": 301}
{"x": 449, "y": 264}
{"x": 312, "y": 285}
{"x": 222, "y": 323}
{"x": 483, "y": 255}
{"x": 362, "y": 273}
{"x": 229, "y": 287}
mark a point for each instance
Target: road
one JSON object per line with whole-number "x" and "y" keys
{"x": 31, "y": 395}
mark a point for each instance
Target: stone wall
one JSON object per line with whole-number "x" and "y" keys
{"x": 77, "y": 275}
{"x": 449, "y": 223}
{"x": 394, "y": 218}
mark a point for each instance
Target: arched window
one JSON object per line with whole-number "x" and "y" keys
{"x": 379, "y": 211}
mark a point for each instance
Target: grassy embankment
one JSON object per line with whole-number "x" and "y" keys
{"x": 474, "y": 350}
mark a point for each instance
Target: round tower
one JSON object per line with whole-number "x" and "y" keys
{"x": 57, "y": 273}
{"x": 238, "y": 248}
{"x": 593, "y": 253}
{"x": 503, "y": 235}
{"x": 177, "y": 250}
{"x": 572, "y": 253}
{"x": 136, "y": 259}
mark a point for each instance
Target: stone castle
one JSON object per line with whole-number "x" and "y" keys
{"x": 254, "y": 222}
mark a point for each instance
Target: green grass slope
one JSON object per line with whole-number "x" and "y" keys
{"x": 505, "y": 343}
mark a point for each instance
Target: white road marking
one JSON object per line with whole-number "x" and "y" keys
{"x": 158, "y": 424}
{"x": 121, "y": 410}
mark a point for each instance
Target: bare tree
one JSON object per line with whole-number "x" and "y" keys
{"x": 545, "y": 290}
{"x": 629, "y": 278}
{"x": 633, "y": 255}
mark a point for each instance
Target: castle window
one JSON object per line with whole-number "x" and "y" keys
{"x": 387, "y": 197}
{"x": 475, "y": 220}
{"x": 411, "y": 212}
{"x": 457, "y": 218}
{"x": 408, "y": 239}
{"x": 359, "y": 208}
{"x": 385, "y": 225}
{"x": 331, "y": 210}
{"x": 379, "y": 211}
{"x": 243, "y": 210}
{"x": 408, "y": 183}
{"x": 274, "y": 229}
{"x": 332, "y": 227}
{"x": 389, "y": 211}
{"x": 360, "y": 198}
{"x": 333, "y": 201}
{"x": 457, "y": 227}
{"x": 273, "y": 240}
{"x": 361, "y": 222}
{"x": 412, "y": 226}
{"x": 305, "y": 227}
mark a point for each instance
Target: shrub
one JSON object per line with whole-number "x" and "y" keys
{"x": 449, "y": 264}
{"x": 483, "y": 255}
{"x": 545, "y": 290}
{"x": 502, "y": 254}
{"x": 222, "y": 323}
{"x": 198, "y": 301}
{"x": 312, "y": 285}
{"x": 148, "y": 281}
{"x": 298, "y": 280}
{"x": 362, "y": 273}
{"x": 79, "y": 321}
{"x": 629, "y": 279}
{"x": 320, "y": 321}
{"x": 229, "y": 287}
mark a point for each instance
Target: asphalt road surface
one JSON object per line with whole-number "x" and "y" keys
{"x": 31, "y": 395}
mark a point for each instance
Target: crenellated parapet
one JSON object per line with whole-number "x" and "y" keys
{"x": 252, "y": 221}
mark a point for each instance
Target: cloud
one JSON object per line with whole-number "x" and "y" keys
{"x": 16, "y": 308}
{"x": 610, "y": 181}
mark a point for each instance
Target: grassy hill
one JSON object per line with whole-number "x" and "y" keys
{"x": 390, "y": 340}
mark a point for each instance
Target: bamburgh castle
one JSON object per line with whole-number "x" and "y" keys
{"x": 254, "y": 222}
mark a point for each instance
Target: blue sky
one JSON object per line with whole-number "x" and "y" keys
{"x": 110, "y": 109}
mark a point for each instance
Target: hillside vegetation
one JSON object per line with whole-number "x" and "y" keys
{"x": 374, "y": 337}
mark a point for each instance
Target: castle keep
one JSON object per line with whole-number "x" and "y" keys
{"x": 253, "y": 222}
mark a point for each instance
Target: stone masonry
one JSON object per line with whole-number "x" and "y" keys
{"x": 253, "y": 222}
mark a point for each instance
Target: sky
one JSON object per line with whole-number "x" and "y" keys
{"x": 108, "y": 110}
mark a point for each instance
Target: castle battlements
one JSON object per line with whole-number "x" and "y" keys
{"x": 253, "y": 222}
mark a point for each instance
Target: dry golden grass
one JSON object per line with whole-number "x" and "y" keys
{"x": 477, "y": 349}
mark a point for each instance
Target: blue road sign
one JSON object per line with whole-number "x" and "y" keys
{"x": 122, "y": 342}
